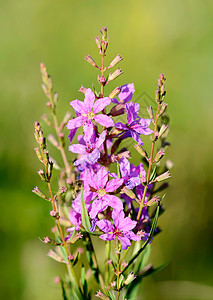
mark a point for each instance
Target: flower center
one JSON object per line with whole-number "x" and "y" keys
{"x": 101, "y": 193}
{"x": 91, "y": 115}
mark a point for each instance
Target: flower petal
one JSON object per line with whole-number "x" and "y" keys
{"x": 105, "y": 225}
{"x": 125, "y": 242}
{"x": 107, "y": 237}
{"x": 100, "y": 104}
{"x": 89, "y": 100}
{"x": 77, "y": 122}
{"x": 78, "y": 106}
{"x": 104, "y": 120}
{"x": 102, "y": 177}
{"x": 113, "y": 185}
{"x": 77, "y": 148}
{"x": 113, "y": 202}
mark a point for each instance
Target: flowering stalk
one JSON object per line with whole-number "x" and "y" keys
{"x": 160, "y": 94}
{"x": 102, "y": 194}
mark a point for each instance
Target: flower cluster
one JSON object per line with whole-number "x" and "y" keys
{"x": 98, "y": 154}
{"x": 103, "y": 192}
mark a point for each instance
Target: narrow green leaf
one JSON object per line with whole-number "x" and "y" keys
{"x": 63, "y": 290}
{"x": 152, "y": 177}
{"x": 84, "y": 213}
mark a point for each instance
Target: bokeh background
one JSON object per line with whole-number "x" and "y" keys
{"x": 173, "y": 37}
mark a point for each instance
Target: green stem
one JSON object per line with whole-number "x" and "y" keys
{"x": 107, "y": 268}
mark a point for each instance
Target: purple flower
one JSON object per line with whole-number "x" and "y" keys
{"x": 129, "y": 173}
{"x": 135, "y": 125}
{"x": 125, "y": 94}
{"x": 88, "y": 110}
{"x": 121, "y": 229}
{"x": 89, "y": 146}
{"x": 100, "y": 187}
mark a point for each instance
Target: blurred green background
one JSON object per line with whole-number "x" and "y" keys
{"x": 173, "y": 37}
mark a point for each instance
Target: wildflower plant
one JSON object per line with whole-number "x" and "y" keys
{"x": 102, "y": 196}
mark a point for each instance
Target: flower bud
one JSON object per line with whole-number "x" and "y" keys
{"x": 90, "y": 60}
{"x": 115, "y": 61}
{"x": 130, "y": 278}
{"x": 115, "y": 92}
{"x": 98, "y": 43}
{"x": 140, "y": 150}
{"x": 46, "y": 120}
{"x": 82, "y": 89}
{"x": 37, "y": 152}
{"x": 152, "y": 201}
{"x": 162, "y": 130}
{"x": 49, "y": 241}
{"x": 159, "y": 155}
{"x": 114, "y": 75}
{"x": 39, "y": 193}
{"x": 117, "y": 110}
{"x": 42, "y": 175}
{"x": 150, "y": 112}
{"x": 56, "y": 256}
{"x": 104, "y": 46}
{"x": 101, "y": 79}
{"x": 169, "y": 164}
{"x": 163, "y": 176}
{"x": 163, "y": 108}
{"x": 128, "y": 192}
{"x": 53, "y": 140}
{"x": 104, "y": 33}
{"x": 101, "y": 295}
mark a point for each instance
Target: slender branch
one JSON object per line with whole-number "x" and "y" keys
{"x": 69, "y": 266}
{"x": 150, "y": 163}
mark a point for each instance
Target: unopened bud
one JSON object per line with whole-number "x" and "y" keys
{"x": 49, "y": 241}
{"x": 169, "y": 164}
{"x": 140, "y": 150}
{"x": 90, "y": 60}
{"x": 104, "y": 46}
{"x": 101, "y": 295}
{"x": 152, "y": 201}
{"x": 56, "y": 256}
{"x": 161, "y": 77}
{"x": 37, "y": 126}
{"x": 42, "y": 175}
{"x": 159, "y": 155}
{"x": 128, "y": 192}
{"x": 163, "y": 108}
{"x": 163, "y": 176}
{"x": 104, "y": 33}
{"x": 37, "y": 152}
{"x": 53, "y": 213}
{"x": 101, "y": 79}
{"x": 82, "y": 89}
{"x": 46, "y": 120}
{"x": 98, "y": 42}
{"x": 150, "y": 112}
{"x": 114, "y": 75}
{"x": 53, "y": 140}
{"x": 115, "y": 92}
{"x": 39, "y": 193}
{"x": 130, "y": 278}
{"x": 162, "y": 130}
{"x": 117, "y": 110}
{"x": 115, "y": 61}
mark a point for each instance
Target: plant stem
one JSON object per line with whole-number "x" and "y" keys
{"x": 117, "y": 274}
{"x": 150, "y": 164}
{"x": 107, "y": 268}
{"x": 69, "y": 266}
